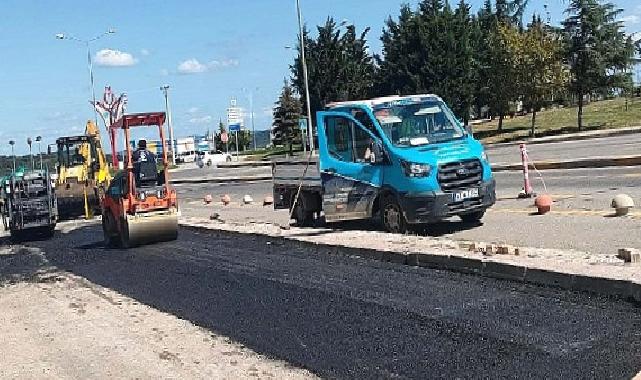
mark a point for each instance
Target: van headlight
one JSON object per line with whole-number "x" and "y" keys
{"x": 415, "y": 170}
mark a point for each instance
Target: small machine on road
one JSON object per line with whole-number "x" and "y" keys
{"x": 28, "y": 203}
{"x": 139, "y": 206}
{"x": 82, "y": 175}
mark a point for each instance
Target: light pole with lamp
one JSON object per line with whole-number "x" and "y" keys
{"x": 13, "y": 155}
{"x": 39, "y": 140}
{"x": 62, "y": 36}
{"x": 29, "y": 141}
{"x": 310, "y": 129}
{"x": 165, "y": 90}
{"x": 251, "y": 112}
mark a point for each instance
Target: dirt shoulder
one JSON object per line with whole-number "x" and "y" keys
{"x": 60, "y": 326}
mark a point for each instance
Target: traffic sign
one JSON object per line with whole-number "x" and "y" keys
{"x": 302, "y": 123}
{"x": 224, "y": 137}
{"x": 234, "y": 127}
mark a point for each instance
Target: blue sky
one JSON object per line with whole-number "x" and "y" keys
{"x": 207, "y": 51}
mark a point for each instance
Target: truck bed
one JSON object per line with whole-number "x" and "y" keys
{"x": 288, "y": 175}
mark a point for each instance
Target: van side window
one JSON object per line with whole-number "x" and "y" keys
{"x": 347, "y": 141}
{"x": 339, "y": 138}
{"x": 364, "y": 119}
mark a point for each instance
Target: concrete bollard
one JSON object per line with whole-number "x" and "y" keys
{"x": 247, "y": 199}
{"x": 543, "y": 203}
{"x": 208, "y": 199}
{"x": 225, "y": 199}
{"x": 268, "y": 200}
{"x": 622, "y": 203}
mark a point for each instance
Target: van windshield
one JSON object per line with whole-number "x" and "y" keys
{"x": 418, "y": 123}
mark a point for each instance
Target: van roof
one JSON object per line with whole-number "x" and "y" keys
{"x": 372, "y": 103}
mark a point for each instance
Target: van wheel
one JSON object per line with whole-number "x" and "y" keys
{"x": 392, "y": 216}
{"x": 302, "y": 216}
{"x": 474, "y": 217}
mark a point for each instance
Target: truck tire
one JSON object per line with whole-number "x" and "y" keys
{"x": 108, "y": 230}
{"x": 474, "y": 217}
{"x": 392, "y": 216}
{"x": 302, "y": 216}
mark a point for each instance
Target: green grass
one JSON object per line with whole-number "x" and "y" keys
{"x": 596, "y": 115}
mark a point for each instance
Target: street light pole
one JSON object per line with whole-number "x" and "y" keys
{"x": 39, "y": 140}
{"x": 310, "y": 133}
{"x": 29, "y": 141}
{"x": 62, "y": 36}
{"x": 13, "y": 155}
{"x": 165, "y": 90}
{"x": 251, "y": 113}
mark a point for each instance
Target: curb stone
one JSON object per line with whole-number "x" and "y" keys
{"x": 221, "y": 179}
{"x": 478, "y": 266}
{"x": 570, "y": 137}
{"x": 579, "y": 163}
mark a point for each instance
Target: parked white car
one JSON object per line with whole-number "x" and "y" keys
{"x": 184, "y": 157}
{"x": 212, "y": 157}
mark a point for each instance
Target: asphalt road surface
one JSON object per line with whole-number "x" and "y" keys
{"x": 581, "y": 219}
{"x": 344, "y": 317}
{"x": 606, "y": 146}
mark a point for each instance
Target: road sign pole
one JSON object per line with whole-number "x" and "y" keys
{"x": 237, "y": 145}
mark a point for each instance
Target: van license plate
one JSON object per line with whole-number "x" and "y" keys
{"x": 466, "y": 194}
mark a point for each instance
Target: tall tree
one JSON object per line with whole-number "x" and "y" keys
{"x": 598, "y": 50}
{"x": 339, "y": 65}
{"x": 539, "y": 71}
{"x": 286, "y": 129}
{"x": 431, "y": 50}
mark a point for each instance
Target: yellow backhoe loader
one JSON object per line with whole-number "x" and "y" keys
{"x": 82, "y": 174}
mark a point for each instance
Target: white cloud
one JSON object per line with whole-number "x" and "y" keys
{"x": 193, "y": 66}
{"x": 164, "y": 72}
{"x": 115, "y": 58}
{"x": 201, "y": 120}
{"x": 144, "y": 52}
{"x": 193, "y": 110}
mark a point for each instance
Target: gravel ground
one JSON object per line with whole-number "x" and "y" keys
{"x": 57, "y": 325}
{"x": 339, "y": 317}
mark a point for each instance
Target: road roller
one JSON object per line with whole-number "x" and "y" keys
{"x": 139, "y": 206}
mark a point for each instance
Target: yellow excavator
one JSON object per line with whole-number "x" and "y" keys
{"x": 82, "y": 174}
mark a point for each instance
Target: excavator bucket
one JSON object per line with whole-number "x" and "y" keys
{"x": 148, "y": 228}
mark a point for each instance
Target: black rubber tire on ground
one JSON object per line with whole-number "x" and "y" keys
{"x": 474, "y": 217}
{"x": 123, "y": 235}
{"x": 392, "y": 217}
{"x": 107, "y": 230}
{"x": 303, "y": 217}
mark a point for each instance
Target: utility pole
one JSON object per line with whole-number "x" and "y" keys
{"x": 251, "y": 116}
{"x": 62, "y": 36}
{"x": 39, "y": 140}
{"x": 165, "y": 90}
{"x": 310, "y": 129}
{"x": 13, "y": 155}
{"x": 29, "y": 141}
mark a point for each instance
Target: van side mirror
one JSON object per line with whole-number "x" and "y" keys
{"x": 377, "y": 156}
